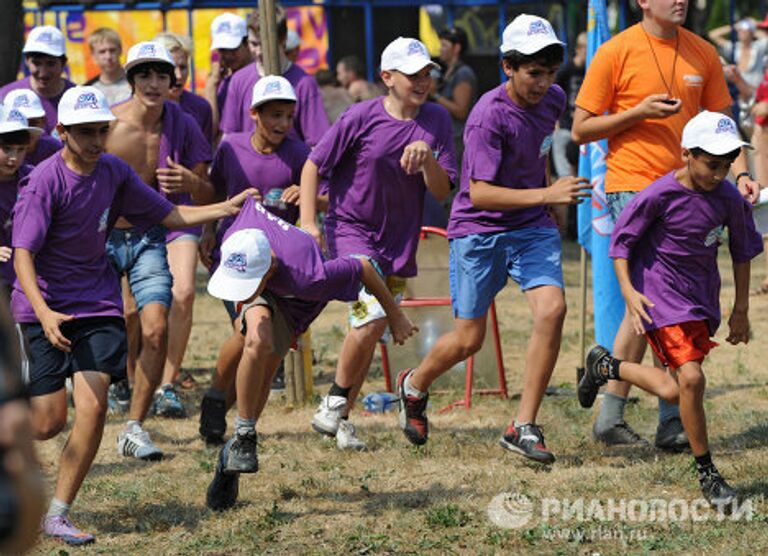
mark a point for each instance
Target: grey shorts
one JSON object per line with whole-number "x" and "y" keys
{"x": 282, "y": 332}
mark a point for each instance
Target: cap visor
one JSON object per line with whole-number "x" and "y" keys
{"x": 36, "y": 49}
{"x": 723, "y": 147}
{"x": 531, "y": 47}
{"x": 415, "y": 66}
{"x": 5, "y": 128}
{"x": 87, "y": 119}
{"x": 227, "y": 43}
{"x": 270, "y": 99}
{"x": 158, "y": 60}
{"x": 225, "y": 288}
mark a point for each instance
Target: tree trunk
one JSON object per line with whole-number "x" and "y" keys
{"x": 11, "y": 27}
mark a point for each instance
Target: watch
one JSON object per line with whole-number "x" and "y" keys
{"x": 742, "y": 174}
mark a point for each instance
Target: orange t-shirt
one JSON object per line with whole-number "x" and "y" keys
{"x": 623, "y": 72}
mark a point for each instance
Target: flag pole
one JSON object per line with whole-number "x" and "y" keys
{"x": 582, "y": 315}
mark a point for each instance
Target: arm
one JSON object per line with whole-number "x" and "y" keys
{"x": 179, "y": 179}
{"x": 459, "y": 106}
{"x": 565, "y": 191}
{"x": 418, "y": 157}
{"x": 738, "y": 323}
{"x": 721, "y": 36}
{"x": 183, "y": 216}
{"x": 310, "y": 178}
{"x": 24, "y": 265}
{"x": 400, "y": 325}
{"x": 635, "y": 301}
{"x": 748, "y": 187}
{"x": 733, "y": 75}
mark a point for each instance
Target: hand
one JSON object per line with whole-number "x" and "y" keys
{"x": 738, "y": 325}
{"x": 749, "y": 189}
{"x": 653, "y": 107}
{"x": 51, "y": 322}
{"x": 731, "y": 72}
{"x": 290, "y": 195}
{"x": 234, "y": 203}
{"x": 176, "y": 178}
{"x": 206, "y": 246}
{"x": 636, "y": 304}
{"x": 216, "y": 75}
{"x": 402, "y": 328}
{"x": 5, "y": 254}
{"x": 569, "y": 190}
{"x": 414, "y": 157}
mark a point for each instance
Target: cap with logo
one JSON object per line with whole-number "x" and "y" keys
{"x": 245, "y": 258}
{"x": 712, "y": 132}
{"x": 26, "y": 101}
{"x": 528, "y": 34}
{"x": 407, "y": 56}
{"x": 12, "y": 119}
{"x": 84, "y": 105}
{"x": 228, "y": 31}
{"x": 148, "y": 51}
{"x": 45, "y": 39}
{"x": 272, "y": 87}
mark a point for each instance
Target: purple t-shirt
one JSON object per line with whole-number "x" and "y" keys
{"x": 182, "y": 140}
{"x": 46, "y": 147}
{"x": 9, "y": 191}
{"x": 304, "y": 281}
{"x": 309, "y": 119}
{"x": 197, "y": 107}
{"x": 222, "y": 91}
{"x": 507, "y": 146}
{"x": 375, "y": 208}
{"x": 670, "y": 235}
{"x": 50, "y": 104}
{"x": 64, "y": 218}
{"x": 237, "y": 166}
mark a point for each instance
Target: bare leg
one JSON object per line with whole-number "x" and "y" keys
{"x": 182, "y": 261}
{"x": 223, "y": 378}
{"x": 154, "y": 337}
{"x": 132, "y": 330}
{"x": 692, "y": 383}
{"x": 627, "y": 346}
{"x": 356, "y": 355}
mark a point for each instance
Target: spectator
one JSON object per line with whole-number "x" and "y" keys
{"x": 292, "y": 45}
{"x": 747, "y": 55}
{"x": 336, "y": 99}
{"x": 106, "y": 49}
{"x": 349, "y": 72}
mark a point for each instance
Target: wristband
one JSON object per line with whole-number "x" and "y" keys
{"x": 742, "y": 174}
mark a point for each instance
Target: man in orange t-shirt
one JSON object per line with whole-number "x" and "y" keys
{"x": 640, "y": 90}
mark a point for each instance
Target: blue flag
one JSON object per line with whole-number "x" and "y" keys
{"x": 594, "y": 221}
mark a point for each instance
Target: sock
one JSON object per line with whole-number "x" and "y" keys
{"x": 57, "y": 508}
{"x": 132, "y": 425}
{"x": 337, "y": 390}
{"x": 613, "y": 368}
{"x": 611, "y": 412}
{"x": 244, "y": 426}
{"x": 704, "y": 465}
{"x": 667, "y": 411}
{"x": 215, "y": 394}
{"x": 410, "y": 391}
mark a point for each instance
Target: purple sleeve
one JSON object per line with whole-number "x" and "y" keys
{"x": 32, "y": 216}
{"x": 342, "y": 278}
{"x": 483, "y": 153}
{"x": 312, "y": 122}
{"x": 634, "y": 220}
{"x": 744, "y": 241}
{"x": 231, "y": 120}
{"x": 335, "y": 143}
{"x": 141, "y": 205}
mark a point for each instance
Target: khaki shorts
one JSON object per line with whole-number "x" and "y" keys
{"x": 282, "y": 333}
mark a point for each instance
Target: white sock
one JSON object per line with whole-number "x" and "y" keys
{"x": 57, "y": 508}
{"x": 410, "y": 390}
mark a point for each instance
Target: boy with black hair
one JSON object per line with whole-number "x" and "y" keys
{"x": 665, "y": 248}
{"x": 500, "y": 227}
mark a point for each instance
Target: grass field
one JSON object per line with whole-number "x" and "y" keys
{"x": 308, "y": 498}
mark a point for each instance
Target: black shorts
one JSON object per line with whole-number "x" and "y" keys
{"x": 98, "y": 344}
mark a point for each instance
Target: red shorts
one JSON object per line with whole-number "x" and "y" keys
{"x": 681, "y": 343}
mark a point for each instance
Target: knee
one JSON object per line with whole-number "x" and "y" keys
{"x": 184, "y": 296}
{"x": 551, "y": 314}
{"x": 692, "y": 381}
{"x": 258, "y": 346}
{"x": 371, "y": 332}
{"x": 470, "y": 343}
{"x": 49, "y": 426}
{"x": 670, "y": 393}
{"x": 91, "y": 408}
{"x": 154, "y": 333}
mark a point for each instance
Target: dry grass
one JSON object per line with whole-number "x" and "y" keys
{"x": 309, "y": 498}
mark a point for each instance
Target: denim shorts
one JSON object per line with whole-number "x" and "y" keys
{"x": 617, "y": 201}
{"x": 143, "y": 258}
{"x": 479, "y": 265}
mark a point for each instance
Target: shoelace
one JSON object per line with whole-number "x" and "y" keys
{"x": 531, "y": 433}
{"x": 629, "y": 431}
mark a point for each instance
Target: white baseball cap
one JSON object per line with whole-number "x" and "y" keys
{"x": 527, "y": 34}
{"x": 245, "y": 258}
{"x": 712, "y": 132}
{"x": 228, "y": 31}
{"x": 26, "y": 101}
{"x": 272, "y": 87}
{"x": 406, "y": 55}
{"x": 148, "y": 51}
{"x": 45, "y": 39}
{"x": 84, "y": 105}
{"x": 12, "y": 119}
{"x": 292, "y": 40}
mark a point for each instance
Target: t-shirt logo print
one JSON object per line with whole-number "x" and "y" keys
{"x": 237, "y": 262}
{"x": 103, "y": 220}
{"x": 415, "y": 48}
{"x": 546, "y": 146}
{"x": 715, "y": 236}
{"x": 725, "y": 125}
{"x": 87, "y": 101}
{"x": 537, "y": 28}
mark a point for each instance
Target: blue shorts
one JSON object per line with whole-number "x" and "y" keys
{"x": 480, "y": 263}
{"x": 98, "y": 344}
{"x": 143, "y": 258}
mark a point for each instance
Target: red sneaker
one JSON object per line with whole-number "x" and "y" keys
{"x": 413, "y": 419}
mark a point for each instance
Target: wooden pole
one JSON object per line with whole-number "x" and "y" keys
{"x": 268, "y": 32}
{"x": 582, "y": 315}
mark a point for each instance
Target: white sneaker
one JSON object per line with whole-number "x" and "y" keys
{"x": 346, "y": 438}
{"x": 328, "y": 415}
{"x": 136, "y": 443}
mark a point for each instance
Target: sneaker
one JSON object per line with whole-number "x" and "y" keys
{"x": 671, "y": 436}
{"x": 224, "y": 488}
{"x": 278, "y": 383}
{"x": 717, "y": 492}
{"x": 213, "y": 419}
{"x": 527, "y": 440}
{"x": 328, "y": 414}
{"x": 168, "y": 404}
{"x": 136, "y": 443}
{"x": 595, "y": 375}
{"x": 620, "y": 434}
{"x": 60, "y": 528}
{"x": 413, "y": 419}
{"x": 346, "y": 437}
{"x": 119, "y": 397}
{"x": 241, "y": 453}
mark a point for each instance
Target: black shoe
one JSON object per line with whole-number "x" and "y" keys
{"x": 717, "y": 492}
{"x": 241, "y": 457}
{"x": 594, "y": 375}
{"x": 527, "y": 440}
{"x": 620, "y": 434}
{"x": 213, "y": 419}
{"x": 224, "y": 488}
{"x": 671, "y": 436}
{"x": 278, "y": 383}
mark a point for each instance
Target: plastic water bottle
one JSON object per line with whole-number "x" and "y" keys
{"x": 273, "y": 199}
{"x": 380, "y": 402}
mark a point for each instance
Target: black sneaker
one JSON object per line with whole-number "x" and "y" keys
{"x": 595, "y": 375}
{"x": 241, "y": 457}
{"x": 671, "y": 436}
{"x": 213, "y": 419}
{"x": 527, "y": 440}
{"x": 717, "y": 492}
{"x": 224, "y": 488}
{"x": 620, "y": 434}
{"x": 413, "y": 419}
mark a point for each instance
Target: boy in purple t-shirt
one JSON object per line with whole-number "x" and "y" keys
{"x": 280, "y": 281}
{"x": 500, "y": 228}
{"x": 664, "y": 248}
{"x": 67, "y": 296}
{"x": 380, "y": 158}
